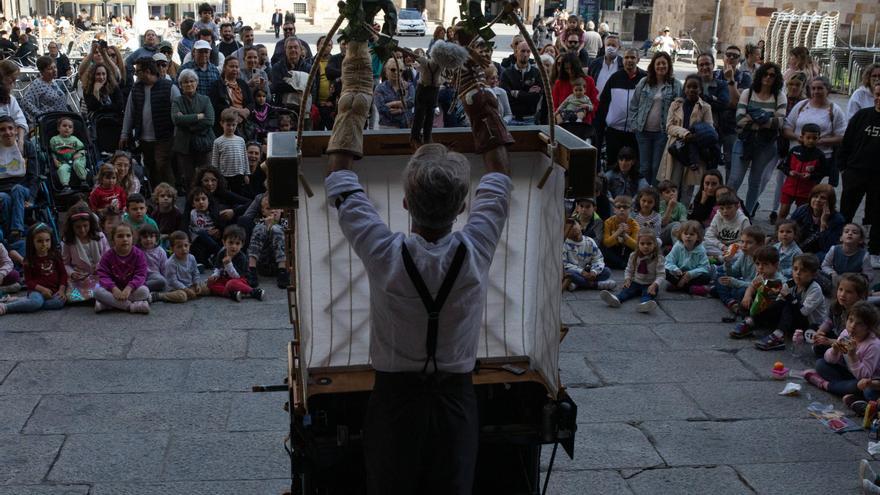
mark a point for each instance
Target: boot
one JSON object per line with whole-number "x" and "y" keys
{"x": 355, "y": 101}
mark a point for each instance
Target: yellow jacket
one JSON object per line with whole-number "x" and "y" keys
{"x": 629, "y": 240}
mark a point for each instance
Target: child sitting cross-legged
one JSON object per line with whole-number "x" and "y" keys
{"x": 136, "y": 213}
{"x": 687, "y": 266}
{"x": 853, "y": 356}
{"x": 148, "y": 241}
{"x": 739, "y": 270}
{"x": 619, "y": 239}
{"x": 582, "y": 260}
{"x": 121, "y": 275}
{"x": 44, "y": 274}
{"x": 786, "y": 235}
{"x": 83, "y": 246}
{"x": 266, "y": 252}
{"x": 726, "y": 225}
{"x": 591, "y": 223}
{"x": 642, "y": 277}
{"x": 672, "y": 213}
{"x": 228, "y": 279}
{"x": 182, "y": 272}
{"x": 802, "y": 305}
{"x": 851, "y": 288}
{"x": 761, "y": 299}
{"x": 850, "y": 256}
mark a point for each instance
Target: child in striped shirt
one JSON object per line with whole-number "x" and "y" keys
{"x": 230, "y": 154}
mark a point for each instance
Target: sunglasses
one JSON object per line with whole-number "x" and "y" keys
{"x": 573, "y": 42}
{"x": 288, "y": 29}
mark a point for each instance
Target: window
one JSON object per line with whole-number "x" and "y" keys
{"x": 299, "y": 8}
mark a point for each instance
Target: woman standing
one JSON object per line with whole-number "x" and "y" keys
{"x": 101, "y": 94}
{"x": 439, "y": 34}
{"x": 649, "y": 113}
{"x": 193, "y": 117}
{"x": 42, "y": 95}
{"x": 760, "y": 114}
{"x": 254, "y": 73}
{"x": 799, "y": 60}
{"x": 684, "y": 112}
{"x": 863, "y": 97}
{"x": 570, "y": 70}
{"x": 231, "y": 91}
{"x": 394, "y": 98}
{"x": 821, "y": 111}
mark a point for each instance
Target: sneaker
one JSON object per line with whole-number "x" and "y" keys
{"x": 647, "y": 307}
{"x": 858, "y": 406}
{"x": 98, "y": 306}
{"x": 282, "y": 278}
{"x": 610, "y": 299}
{"x": 11, "y": 288}
{"x": 866, "y": 474}
{"x": 875, "y": 261}
{"x": 252, "y": 278}
{"x": 142, "y": 307}
{"x": 742, "y": 330}
{"x": 606, "y": 285}
{"x": 773, "y": 342}
{"x": 571, "y": 287}
{"x": 258, "y": 294}
{"x": 848, "y": 399}
{"x": 235, "y": 296}
{"x": 699, "y": 290}
{"x": 773, "y": 217}
{"x": 813, "y": 377}
{"x": 732, "y": 306}
{"x": 201, "y": 267}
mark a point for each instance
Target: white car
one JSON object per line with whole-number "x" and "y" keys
{"x": 409, "y": 21}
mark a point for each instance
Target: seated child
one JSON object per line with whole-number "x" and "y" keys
{"x": 231, "y": 265}
{"x": 285, "y": 122}
{"x": 576, "y": 106}
{"x": 68, "y": 153}
{"x": 853, "y": 356}
{"x": 592, "y": 225}
{"x": 850, "y": 256}
{"x": 647, "y": 214}
{"x": 760, "y": 301}
{"x": 44, "y": 274}
{"x": 262, "y": 116}
{"x": 724, "y": 229}
{"x": 786, "y": 235}
{"x": 583, "y": 264}
{"x": 121, "y": 275}
{"x": 619, "y": 239}
{"x": 83, "y": 246}
{"x": 739, "y": 269}
{"x": 266, "y": 252}
{"x": 687, "y": 265}
{"x": 804, "y": 167}
{"x": 204, "y": 226}
{"x": 181, "y": 272}
{"x": 148, "y": 241}
{"x": 107, "y": 194}
{"x": 109, "y": 218}
{"x": 167, "y": 216}
{"x": 136, "y": 213}
{"x": 851, "y": 288}
{"x": 642, "y": 277}
{"x": 802, "y": 304}
{"x": 125, "y": 176}
{"x": 672, "y": 213}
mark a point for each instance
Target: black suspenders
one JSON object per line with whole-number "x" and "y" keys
{"x": 433, "y": 306}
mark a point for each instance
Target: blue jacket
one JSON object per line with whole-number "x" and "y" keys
{"x": 716, "y": 94}
{"x": 695, "y": 262}
{"x": 643, "y": 98}
{"x": 742, "y": 271}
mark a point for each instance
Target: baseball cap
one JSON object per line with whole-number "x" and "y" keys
{"x": 201, "y": 45}
{"x": 585, "y": 199}
{"x": 666, "y": 28}
{"x": 158, "y": 57}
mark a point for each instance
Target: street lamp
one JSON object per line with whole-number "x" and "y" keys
{"x": 714, "y": 41}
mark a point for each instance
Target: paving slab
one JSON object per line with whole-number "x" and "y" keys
{"x": 683, "y": 443}
{"x": 812, "y": 478}
{"x": 5, "y": 368}
{"x": 268, "y": 487}
{"x": 595, "y": 313}
{"x": 605, "y": 446}
{"x": 258, "y": 412}
{"x": 718, "y": 480}
{"x": 668, "y": 366}
{"x": 25, "y": 459}
{"x": 110, "y": 457}
{"x": 631, "y": 337}
{"x": 15, "y": 411}
{"x": 625, "y": 403}
{"x": 695, "y": 310}
{"x": 45, "y": 490}
{"x": 217, "y": 344}
{"x": 570, "y": 315}
{"x": 698, "y": 336}
{"x": 748, "y": 400}
{"x": 130, "y": 413}
{"x": 762, "y": 361}
{"x": 97, "y": 344}
{"x": 580, "y": 482}
{"x": 268, "y": 343}
{"x": 227, "y": 456}
{"x": 60, "y": 377}
{"x": 248, "y": 314}
{"x": 235, "y": 375}
{"x": 167, "y": 317}
{"x": 575, "y": 372}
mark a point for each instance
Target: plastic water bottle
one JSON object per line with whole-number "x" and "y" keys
{"x": 798, "y": 343}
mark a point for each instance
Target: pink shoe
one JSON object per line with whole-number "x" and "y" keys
{"x": 699, "y": 290}
{"x": 812, "y": 377}
{"x": 142, "y": 307}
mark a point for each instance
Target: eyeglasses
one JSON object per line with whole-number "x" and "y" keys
{"x": 573, "y": 42}
{"x": 731, "y": 55}
{"x": 392, "y": 70}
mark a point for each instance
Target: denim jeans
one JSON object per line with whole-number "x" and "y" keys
{"x": 762, "y": 157}
{"x": 634, "y": 290}
{"x": 840, "y": 380}
{"x": 729, "y": 293}
{"x": 33, "y": 302}
{"x": 770, "y": 173}
{"x": 582, "y": 283}
{"x": 727, "y": 142}
{"x": 651, "y": 146}
{"x": 12, "y": 208}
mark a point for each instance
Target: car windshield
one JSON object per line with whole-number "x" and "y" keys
{"x": 409, "y": 14}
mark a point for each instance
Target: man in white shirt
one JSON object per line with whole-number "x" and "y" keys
{"x": 601, "y": 69}
{"x": 426, "y": 293}
{"x": 664, "y": 42}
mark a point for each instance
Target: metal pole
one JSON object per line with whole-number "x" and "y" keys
{"x": 713, "y": 49}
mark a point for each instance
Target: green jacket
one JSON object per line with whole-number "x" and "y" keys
{"x": 184, "y": 114}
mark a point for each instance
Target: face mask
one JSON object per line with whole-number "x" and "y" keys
{"x": 610, "y": 51}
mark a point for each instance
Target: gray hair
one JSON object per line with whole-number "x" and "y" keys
{"x": 187, "y": 75}
{"x": 436, "y": 182}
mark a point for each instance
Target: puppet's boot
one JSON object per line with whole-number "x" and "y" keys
{"x": 355, "y": 102}
{"x": 481, "y": 107}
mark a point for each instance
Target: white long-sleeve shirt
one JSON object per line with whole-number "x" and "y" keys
{"x": 583, "y": 255}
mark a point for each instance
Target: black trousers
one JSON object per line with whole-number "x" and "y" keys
{"x": 614, "y": 140}
{"x": 423, "y": 117}
{"x": 421, "y": 434}
{"x": 858, "y": 184}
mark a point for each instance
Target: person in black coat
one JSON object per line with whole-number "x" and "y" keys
{"x": 231, "y": 91}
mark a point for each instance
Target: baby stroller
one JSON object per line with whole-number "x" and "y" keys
{"x": 107, "y": 128}
{"x": 47, "y": 127}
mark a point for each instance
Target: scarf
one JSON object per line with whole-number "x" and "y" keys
{"x": 90, "y": 252}
{"x": 235, "y": 97}
{"x": 260, "y": 115}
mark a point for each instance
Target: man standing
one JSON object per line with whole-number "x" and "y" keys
{"x": 715, "y": 91}
{"x": 522, "y": 81}
{"x": 421, "y": 429}
{"x": 228, "y": 43}
{"x": 611, "y": 117}
{"x": 736, "y": 81}
{"x": 592, "y": 41}
{"x": 572, "y": 44}
{"x": 27, "y": 51}
{"x": 150, "y": 46}
{"x": 62, "y": 63}
{"x": 216, "y": 58}
{"x": 277, "y": 21}
{"x": 201, "y": 63}
{"x": 510, "y": 60}
{"x": 665, "y": 43}
{"x": 289, "y": 17}
{"x": 280, "y": 51}
{"x": 602, "y": 68}
{"x": 148, "y": 118}
{"x": 247, "y": 40}
{"x": 285, "y": 88}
